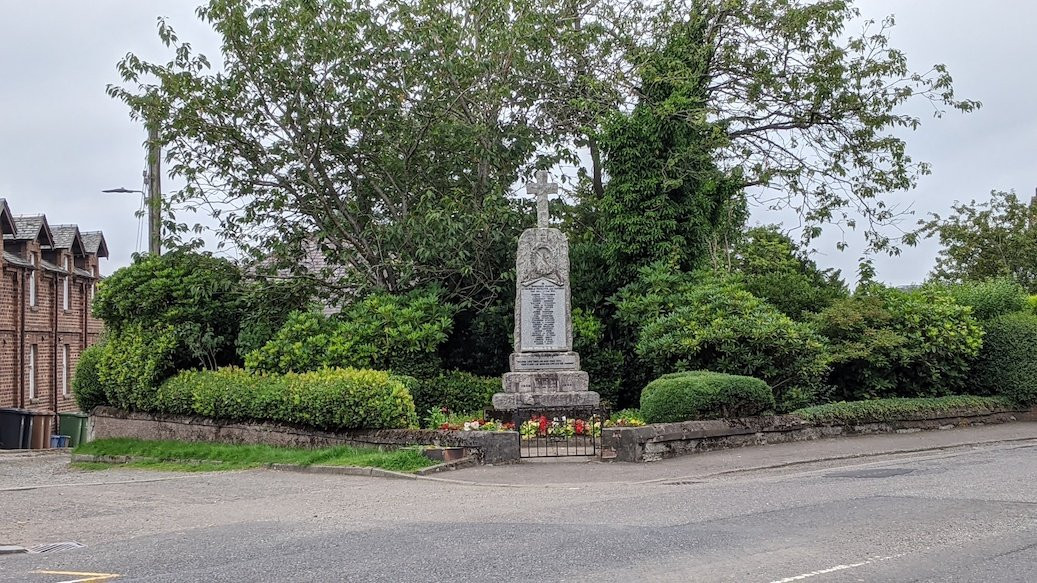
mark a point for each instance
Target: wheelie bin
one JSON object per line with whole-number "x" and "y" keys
{"x": 40, "y": 429}
{"x": 73, "y": 425}
{"x": 14, "y": 429}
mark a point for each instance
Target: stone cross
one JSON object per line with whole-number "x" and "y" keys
{"x": 540, "y": 189}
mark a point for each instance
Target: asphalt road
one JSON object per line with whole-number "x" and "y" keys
{"x": 962, "y": 514}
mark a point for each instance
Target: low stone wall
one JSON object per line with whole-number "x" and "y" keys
{"x": 107, "y": 422}
{"x": 666, "y": 440}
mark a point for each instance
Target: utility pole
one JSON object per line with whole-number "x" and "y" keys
{"x": 154, "y": 191}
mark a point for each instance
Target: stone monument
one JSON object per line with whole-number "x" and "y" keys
{"x": 545, "y": 372}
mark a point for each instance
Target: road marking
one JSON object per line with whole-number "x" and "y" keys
{"x": 85, "y": 577}
{"x": 834, "y": 569}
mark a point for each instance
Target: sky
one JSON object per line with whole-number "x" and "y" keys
{"x": 63, "y": 140}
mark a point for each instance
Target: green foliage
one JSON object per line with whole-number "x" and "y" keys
{"x": 992, "y": 239}
{"x": 329, "y": 399}
{"x": 197, "y": 294}
{"x": 133, "y": 361}
{"x": 889, "y": 343}
{"x": 990, "y": 298}
{"x": 603, "y": 363}
{"x": 1007, "y": 363}
{"x": 704, "y": 395}
{"x": 774, "y": 268}
{"x": 265, "y": 307}
{"x": 897, "y": 409}
{"x": 666, "y": 200}
{"x": 86, "y": 384}
{"x": 690, "y": 323}
{"x": 381, "y": 331}
{"x": 460, "y": 392}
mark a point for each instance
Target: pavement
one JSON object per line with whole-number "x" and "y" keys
{"x": 955, "y": 505}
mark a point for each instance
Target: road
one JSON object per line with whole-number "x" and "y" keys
{"x": 962, "y": 513}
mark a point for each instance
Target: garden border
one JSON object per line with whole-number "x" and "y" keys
{"x": 666, "y": 440}
{"x": 108, "y": 422}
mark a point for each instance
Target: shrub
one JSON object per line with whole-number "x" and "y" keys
{"x": 196, "y": 293}
{"x": 458, "y": 391}
{"x": 895, "y": 409}
{"x": 717, "y": 325}
{"x": 889, "y": 343}
{"x": 133, "y": 363}
{"x": 704, "y": 395}
{"x": 1007, "y": 363}
{"x": 266, "y": 306}
{"x": 990, "y": 299}
{"x": 777, "y": 270}
{"x": 330, "y": 399}
{"x": 382, "y": 331}
{"x": 86, "y": 386}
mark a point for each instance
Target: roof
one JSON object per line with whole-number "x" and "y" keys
{"x": 48, "y": 266}
{"x": 82, "y": 272}
{"x": 67, "y": 237}
{"x": 94, "y": 243}
{"x": 6, "y": 219}
{"x": 31, "y": 227}
{"x": 15, "y": 260}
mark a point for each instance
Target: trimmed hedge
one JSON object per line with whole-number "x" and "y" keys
{"x": 879, "y": 410}
{"x": 1007, "y": 363}
{"x": 991, "y": 298}
{"x": 329, "y": 399}
{"x": 458, "y": 391}
{"x": 704, "y": 395}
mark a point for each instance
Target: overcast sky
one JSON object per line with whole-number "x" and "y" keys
{"x": 63, "y": 140}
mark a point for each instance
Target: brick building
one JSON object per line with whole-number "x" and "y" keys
{"x": 48, "y": 274}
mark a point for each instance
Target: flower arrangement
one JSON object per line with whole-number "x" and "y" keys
{"x": 562, "y": 427}
{"x": 626, "y": 418}
{"x": 445, "y": 420}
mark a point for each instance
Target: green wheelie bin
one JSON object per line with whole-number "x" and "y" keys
{"x": 73, "y": 424}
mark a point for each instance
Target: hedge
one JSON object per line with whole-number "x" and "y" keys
{"x": 879, "y": 410}
{"x": 1007, "y": 363}
{"x": 460, "y": 392}
{"x": 329, "y": 399}
{"x": 704, "y": 395}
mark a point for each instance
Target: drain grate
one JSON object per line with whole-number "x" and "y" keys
{"x": 51, "y": 547}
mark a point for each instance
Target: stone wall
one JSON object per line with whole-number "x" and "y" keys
{"x": 666, "y": 440}
{"x": 107, "y": 422}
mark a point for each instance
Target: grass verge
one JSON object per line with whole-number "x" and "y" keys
{"x": 206, "y": 457}
{"x": 879, "y": 410}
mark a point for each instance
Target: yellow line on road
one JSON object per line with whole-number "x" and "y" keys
{"x": 88, "y": 577}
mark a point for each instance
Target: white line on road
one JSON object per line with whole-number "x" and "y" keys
{"x": 834, "y": 569}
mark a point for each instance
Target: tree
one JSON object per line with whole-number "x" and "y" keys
{"x": 807, "y": 109}
{"x": 983, "y": 240}
{"x": 774, "y": 268}
{"x": 665, "y": 199}
{"x": 387, "y": 132}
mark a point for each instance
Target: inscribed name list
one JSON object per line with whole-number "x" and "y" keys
{"x": 543, "y": 317}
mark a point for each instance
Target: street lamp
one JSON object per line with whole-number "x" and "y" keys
{"x": 154, "y": 222}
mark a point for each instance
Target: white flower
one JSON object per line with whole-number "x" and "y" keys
{"x": 467, "y": 426}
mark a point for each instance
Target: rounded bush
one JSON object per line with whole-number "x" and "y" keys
{"x": 1007, "y": 363}
{"x": 86, "y": 386}
{"x": 704, "y": 395}
{"x": 133, "y": 363}
{"x": 458, "y": 391}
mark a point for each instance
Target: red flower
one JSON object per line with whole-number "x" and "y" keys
{"x": 543, "y": 424}
{"x": 579, "y": 426}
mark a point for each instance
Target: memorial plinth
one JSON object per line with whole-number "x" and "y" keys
{"x": 545, "y": 372}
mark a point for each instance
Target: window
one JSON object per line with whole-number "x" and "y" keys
{"x": 65, "y": 286}
{"x": 31, "y": 371}
{"x": 32, "y": 280}
{"x": 64, "y": 369}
